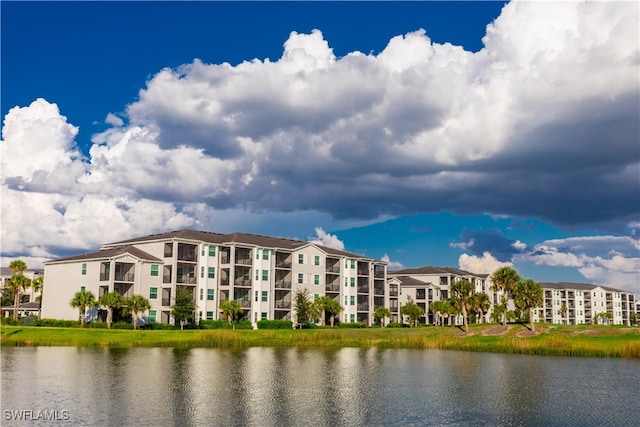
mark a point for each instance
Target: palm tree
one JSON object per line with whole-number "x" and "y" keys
{"x": 564, "y": 310}
{"x": 110, "y": 300}
{"x": 481, "y": 304}
{"x": 18, "y": 266}
{"x": 462, "y": 297}
{"x": 135, "y": 305}
{"x": 38, "y": 286}
{"x": 230, "y": 309}
{"x": 381, "y": 312}
{"x": 83, "y": 300}
{"x": 505, "y": 280}
{"x": 17, "y": 284}
{"x": 333, "y": 308}
{"x": 322, "y": 303}
{"x": 527, "y": 296}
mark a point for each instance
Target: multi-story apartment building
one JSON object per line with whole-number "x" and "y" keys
{"x": 261, "y": 273}
{"x": 580, "y": 303}
{"x": 563, "y": 303}
{"x": 427, "y": 284}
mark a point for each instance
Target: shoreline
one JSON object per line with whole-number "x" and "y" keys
{"x": 547, "y": 340}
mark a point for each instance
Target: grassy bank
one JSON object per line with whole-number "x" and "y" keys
{"x": 553, "y": 340}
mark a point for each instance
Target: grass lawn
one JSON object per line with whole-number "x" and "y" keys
{"x": 553, "y": 340}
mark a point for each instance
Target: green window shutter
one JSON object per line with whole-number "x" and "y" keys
{"x": 210, "y": 294}
{"x": 152, "y": 316}
{"x": 84, "y": 268}
{"x": 264, "y": 296}
{"x": 212, "y": 273}
{"x": 265, "y": 255}
{"x": 317, "y": 260}
{"x": 202, "y": 272}
{"x": 265, "y": 274}
{"x": 153, "y": 293}
{"x": 154, "y": 270}
{"x": 212, "y": 251}
{"x": 316, "y": 279}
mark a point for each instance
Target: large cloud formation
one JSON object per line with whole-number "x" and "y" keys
{"x": 542, "y": 122}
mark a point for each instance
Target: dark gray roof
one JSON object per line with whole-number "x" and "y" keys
{"x": 433, "y": 270}
{"x": 577, "y": 286}
{"x": 110, "y": 253}
{"x": 230, "y": 238}
{"x": 411, "y": 281}
{"x": 25, "y": 306}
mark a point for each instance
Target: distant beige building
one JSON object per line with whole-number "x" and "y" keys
{"x": 261, "y": 273}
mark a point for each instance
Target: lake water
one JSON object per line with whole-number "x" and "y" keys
{"x": 315, "y": 387}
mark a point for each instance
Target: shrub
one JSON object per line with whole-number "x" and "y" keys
{"x": 122, "y": 325}
{"x": 158, "y": 326}
{"x": 395, "y": 325}
{"x": 9, "y": 321}
{"x": 352, "y": 325}
{"x": 243, "y": 324}
{"x": 275, "y": 324}
{"x": 214, "y": 324}
{"x": 57, "y": 323}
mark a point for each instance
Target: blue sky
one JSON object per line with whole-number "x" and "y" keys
{"x": 464, "y": 134}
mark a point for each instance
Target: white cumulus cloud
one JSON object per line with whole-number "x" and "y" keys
{"x": 486, "y": 264}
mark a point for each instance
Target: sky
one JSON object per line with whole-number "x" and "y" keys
{"x": 461, "y": 134}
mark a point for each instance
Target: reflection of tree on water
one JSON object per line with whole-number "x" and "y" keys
{"x": 181, "y": 386}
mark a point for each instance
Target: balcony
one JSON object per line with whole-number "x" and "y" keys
{"x": 393, "y": 293}
{"x": 166, "y": 302}
{"x": 187, "y": 252}
{"x": 242, "y": 283}
{"x": 186, "y": 278}
{"x": 363, "y": 307}
{"x": 333, "y": 269}
{"x": 284, "y": 264}
{"x": 378, "y": 290}
{"x": 128, "y": 276}
{"x": 244, "y": 303}
{"x": 332, "y": 288}
{"x": 283, "y": 284}
{"x": 282, "y": 305}
{"x": 363, "y": 289}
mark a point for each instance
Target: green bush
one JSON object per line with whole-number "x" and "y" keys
{"x": 275, "y": 324}
{"x": 57, "y": 323}
{"x": 395, "y": 325}
{"x": 159, "y": 327}
{"x": 243, "y": 324}
{"x": 214, "y": 324}
{"x": 352, "y": 325}
{"x": 122, "y": 325}
{"x": 9, "y": 321}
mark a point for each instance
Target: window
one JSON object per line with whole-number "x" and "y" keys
{"x": 153, "y": 293}
{"x": 84, "y": 268}
{"x": 265, "y": 256}
{"x": 315, "y": 296}
{"x": 256, "y": 296}
{"x": 346, "y": 282}
{"x": 316, "y": 279}
{"x": 316, "y": 260}
{"x": 265, "y": 274}
{"x": 212, "y": 273}
{"x": 202, "y": 272}
{"x": 202, "y": 252}
{"x": 346, "y": 263}
{"x": 264, "y": 296}
{"x": 264, "y": 316}
{"x": 245, "y": 297}
{"x": 152, "y": 316}
{"x": 353, "y": 263}
{"x": 353, "y": 318}
{"x": 82, "y": 288}
{"x": 209, "y": 315}
{"x": 346, "y": 300}
{"x": 210, "y": 294}
{"x": 300, "y": 278}
{"x": 353, "y": 300}
{"x": 257, "y": 274}
{"x": 154, "y": 270}
{"x": 201, "y": 294}
{"x": 212, "y": 251}
{"x": 257, "y": 253}
{"x": 353, "y": 282}
{"x": 300, "y": 258}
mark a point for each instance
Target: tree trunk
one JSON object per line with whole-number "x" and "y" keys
{"x": 16, "y": 302}
{"x": 332, "y": 319}
{"x": 109, "y": 317}
{"x": 533, "y": 328}
{"x": 322, "y": 318}
{"x": 84, "y": 314}
{"x": 465, "y": 322}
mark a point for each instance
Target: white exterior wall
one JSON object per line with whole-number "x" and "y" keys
{"x": 350, "y": 296}
{"x": 62, "y": 281}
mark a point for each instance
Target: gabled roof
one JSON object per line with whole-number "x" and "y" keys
{"x": 110, "y": 253}
{"x": 412, "y": 281}
{"x": 578, "y": 286}
{"x": 433, "y": 271}
{"x": 231, "y": 238}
